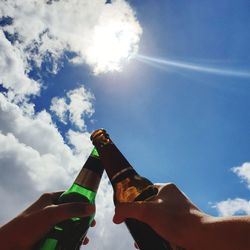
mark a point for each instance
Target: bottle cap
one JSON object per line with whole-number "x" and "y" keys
{"x": 100, "y": 137}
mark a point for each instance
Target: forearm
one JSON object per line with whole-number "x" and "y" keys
{"x": 189, "y": 232}
{"x": 7, "y": 242}
{"x": 217, "y": 233}
{"x": 13, "y": 235}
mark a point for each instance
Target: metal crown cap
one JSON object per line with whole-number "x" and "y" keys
{"x": 100, "y": 137}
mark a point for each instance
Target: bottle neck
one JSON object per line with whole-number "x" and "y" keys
{"x": 91, "y": 173}
{"x": 115, "y": 164}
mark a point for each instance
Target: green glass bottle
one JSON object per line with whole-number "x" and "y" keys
{"x": 69, "y": 234}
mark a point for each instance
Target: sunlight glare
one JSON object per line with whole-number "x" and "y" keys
{"x": 113, "y": 44}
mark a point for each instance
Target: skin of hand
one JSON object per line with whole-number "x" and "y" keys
{"x": 170, "y": 213}
{"x": 174, "y": 217}
{"x": 35, "y": 222}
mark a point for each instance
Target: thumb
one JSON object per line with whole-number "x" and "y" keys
{"x": 136, "y": 210}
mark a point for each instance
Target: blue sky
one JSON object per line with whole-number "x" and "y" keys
{"x": 176, "y": 125}
{"x": 173, "y": 124}
{"x": 180, "y": 126}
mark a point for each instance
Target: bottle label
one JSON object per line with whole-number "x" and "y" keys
{"x": 120, "y": 172}
{"x": 93, "y": 163}
{"x": 94, "y": 153}
{"x": 88, "y": 179}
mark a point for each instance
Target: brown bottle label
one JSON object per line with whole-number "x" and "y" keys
{"x": 88, "y": 179}
{"x": 128, "y": 189}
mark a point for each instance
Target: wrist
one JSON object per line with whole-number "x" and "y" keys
{"x": 194, "y": 228}
{"x": 7, "y": 242}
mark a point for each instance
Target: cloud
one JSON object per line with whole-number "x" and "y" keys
{"x": 36, "y": 130}
{"x": 233, "y": 206}
{"x": 13, "y": 69}
{"x": 15, "y": 183}
{"x": 236, "y": 206}
{"x": 39, "y": 169}
{"x": 80, "y": 142}
{"x": 79, "y": 106}
{"x": 34, "y": 156}
{"x": 74, "y": 107}
{"x": 243, "y": 172}
{"x": 47, "y": 152}
{"x": 101, "y": 35}
{"x": 59, "y": 107}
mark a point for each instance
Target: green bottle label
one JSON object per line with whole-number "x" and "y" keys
{"x": 49, "y": 244}
{"x": 86, "y": 193}
{"x": 94, "y": 153}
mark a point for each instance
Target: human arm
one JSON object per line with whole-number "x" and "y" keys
{"x": 32, "y": 224}
{"x": 174, "y": 217}
{"x": 230, "y": 233}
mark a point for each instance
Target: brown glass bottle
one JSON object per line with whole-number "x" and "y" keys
{"x": 128, "y": 187}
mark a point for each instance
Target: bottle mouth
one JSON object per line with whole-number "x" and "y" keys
{"x": 96, "y": 133}
{"x": 100, "y": 137}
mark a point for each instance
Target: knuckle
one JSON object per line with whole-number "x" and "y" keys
{"x": 46, "y": 196}
{"x": 171, "y": 186}
{"x": 169, "y": 189}
{"x": 50, "y": 212}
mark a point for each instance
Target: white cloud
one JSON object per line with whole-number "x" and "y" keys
{"x": 59, "y": 107}
{"x": 80, "y": 105}
{"x": 36, "y": 130}
{"x": 74, "y": 107}
{"x": 34, "y": 156}
{"x": 41, "y": 169}
{"x": 80, "y": 142}
{"x": 38, "y": 134}
{"x": 236, "y": 206}
{"x": 13, "y": 70}
{"x": 102, "y": 35}
{"x": 233, "y": 206}
{"x": 243, "y": 172}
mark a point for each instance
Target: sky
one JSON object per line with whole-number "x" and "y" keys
{"x": 170, "y": 82}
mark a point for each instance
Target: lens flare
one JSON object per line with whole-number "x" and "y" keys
{"x": 112, "y": 44}
{"x": 166, "y": 64}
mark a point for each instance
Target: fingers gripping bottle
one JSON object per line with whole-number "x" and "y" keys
{"x": 68, "y": 235}
{"x": 128, "y": 186}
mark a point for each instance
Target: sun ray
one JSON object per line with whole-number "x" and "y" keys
{"x": 193, "y": 67}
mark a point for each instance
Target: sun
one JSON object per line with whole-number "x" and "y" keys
{"x": 112, "y": 44}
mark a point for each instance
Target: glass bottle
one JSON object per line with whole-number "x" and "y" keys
{"x": 128, "y": 186}
{"x": 69, "y": 234}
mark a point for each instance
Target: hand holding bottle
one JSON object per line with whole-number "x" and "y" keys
{"x": 32, "y": 224}
{"x": 173, "y": 216}
{"x": 170, "y": 213}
